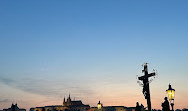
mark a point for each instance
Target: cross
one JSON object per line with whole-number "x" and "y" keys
{"x": 145, "y": 80}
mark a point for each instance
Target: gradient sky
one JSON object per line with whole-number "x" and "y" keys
{"x": 92, "y": 49}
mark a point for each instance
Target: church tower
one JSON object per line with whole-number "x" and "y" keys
{"x": 64, "y": 103}
{"x": 68, "y": 100}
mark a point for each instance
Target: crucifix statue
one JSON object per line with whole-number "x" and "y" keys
{"x": 145, "y": 80}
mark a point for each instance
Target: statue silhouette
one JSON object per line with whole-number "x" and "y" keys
{"x": 138, "y": 108}
{"x": 165, "y": 105}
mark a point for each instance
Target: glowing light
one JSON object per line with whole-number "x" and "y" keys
{"x": 170, "y": 92}
{"x": 99, "y": 105}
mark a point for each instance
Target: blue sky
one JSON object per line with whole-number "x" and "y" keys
{"x": 51, "y": 48}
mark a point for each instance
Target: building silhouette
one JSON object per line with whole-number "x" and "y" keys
{"x": 14, "y": 108}
{"x": 184, "y": 109}
{"x": 100, "y": 107}
{"x": 68, "y": 105}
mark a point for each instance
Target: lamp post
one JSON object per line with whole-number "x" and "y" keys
{"x": 171, "y": 93}
{"x": 99, "y": 105}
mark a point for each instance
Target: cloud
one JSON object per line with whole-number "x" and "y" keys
{"x": 46, "y": 87}
{"x": 4, "y": 100}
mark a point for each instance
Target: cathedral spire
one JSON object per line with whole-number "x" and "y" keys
{"x": 69, "y": 100}
{"x": 64, "y": 102}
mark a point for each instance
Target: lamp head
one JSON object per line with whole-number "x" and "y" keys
{"x": 170, "y": 92}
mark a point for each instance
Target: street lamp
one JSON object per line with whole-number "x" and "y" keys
{"x": 171, "y": 93}
{"x": 99, "y": 105}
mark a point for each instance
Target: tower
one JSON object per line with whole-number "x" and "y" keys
{"x": 68, "y": 100}
{"x": 64, "y": 103}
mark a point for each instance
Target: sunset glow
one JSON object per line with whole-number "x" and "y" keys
{"x": 93, "y": 50}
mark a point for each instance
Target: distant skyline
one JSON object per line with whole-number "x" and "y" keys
{"x": 93, "y": 50}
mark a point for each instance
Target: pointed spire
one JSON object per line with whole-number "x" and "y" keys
{"x": 64, "y": 99}
{"x": 69, "y": 98}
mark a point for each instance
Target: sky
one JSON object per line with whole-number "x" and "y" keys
{"x": 92, "y": 49}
